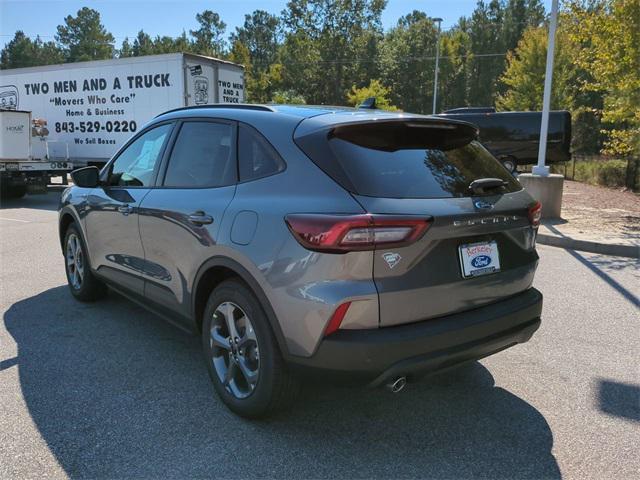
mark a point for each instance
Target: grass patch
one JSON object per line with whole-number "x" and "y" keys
{"x": 605, "y": 172}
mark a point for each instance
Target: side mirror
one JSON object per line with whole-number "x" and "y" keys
{"x": 87, "y": 177}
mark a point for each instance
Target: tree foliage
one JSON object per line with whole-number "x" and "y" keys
{"x": 376, "y": 90}
{"x": 209, "y": 38}
{"x": 21, "y": 51}
{"x": 608, "y": 32}
{"x": 83, "y": 37}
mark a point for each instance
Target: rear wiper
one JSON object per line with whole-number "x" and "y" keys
{"x": 481, "y": 185}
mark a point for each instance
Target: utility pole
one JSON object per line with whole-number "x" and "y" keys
{"x": 435, "y": 82}
{"x": 541, "y": 169}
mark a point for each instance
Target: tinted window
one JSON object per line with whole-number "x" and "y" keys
{"x": 405, "y": 160}
{"x": 134, "y": 167}
{"x": 257, "y": 157}
{"x": 202, "y": 156}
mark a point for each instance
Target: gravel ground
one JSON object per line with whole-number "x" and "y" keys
{"x": 107, "y": 390}
{"x": 602, "y": 213}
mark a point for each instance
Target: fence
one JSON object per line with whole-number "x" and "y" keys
{"x": 598, "y": 170}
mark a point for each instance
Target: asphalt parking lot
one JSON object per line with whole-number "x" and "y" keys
{"x": 108, "y": 390}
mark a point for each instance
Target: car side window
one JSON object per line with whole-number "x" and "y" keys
{"x": 256, "y": 155}
{"x": 134, "y": 167}
{"x": 202, "y": 156}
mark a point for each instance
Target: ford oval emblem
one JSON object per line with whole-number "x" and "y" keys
{"x": 483, "y": 205}
{"x": 481, "y": 261}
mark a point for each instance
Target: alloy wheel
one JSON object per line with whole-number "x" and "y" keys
{"x": 75, "y": 261}
{"x": 234, "y": 350}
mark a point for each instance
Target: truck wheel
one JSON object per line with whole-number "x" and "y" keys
{"x": 83, "y": 284}
{"x": 510, "y": 164}
{"x": 242, "y": 355}
{"x": 14, "y": 191}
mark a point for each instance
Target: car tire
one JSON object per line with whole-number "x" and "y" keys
{"x": 510, "y": 164}
{"x": 83, "y": 284}
{"x": 250, "y": 376}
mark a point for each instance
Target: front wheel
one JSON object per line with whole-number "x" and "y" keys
{"x": 242, "y": 355}
{"x": 83, "y": 284}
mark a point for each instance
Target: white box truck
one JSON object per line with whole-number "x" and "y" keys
{"x": 92, "y": 108}
{"x": 26, "y": 159}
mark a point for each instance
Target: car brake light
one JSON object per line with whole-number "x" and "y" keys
{"x": 346, "y": 233}
{"x": 535, "y": 214}
{"x": 336, "y": 319}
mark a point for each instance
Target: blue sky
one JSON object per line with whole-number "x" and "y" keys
{"x": 170, "y": 17}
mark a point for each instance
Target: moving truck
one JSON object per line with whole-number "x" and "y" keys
{"x": 27, "y": 159}
{"x": 92, "y": 108}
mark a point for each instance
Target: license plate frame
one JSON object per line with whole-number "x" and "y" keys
{"x": 479, "y": 258}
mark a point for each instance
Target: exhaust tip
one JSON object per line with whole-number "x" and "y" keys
{"x": 397, "y": 385}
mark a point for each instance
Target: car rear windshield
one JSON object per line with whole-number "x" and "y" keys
{"x": 405, "y": 159}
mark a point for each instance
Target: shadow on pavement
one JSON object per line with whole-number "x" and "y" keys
{"x": 48, "y": 201}
{"x": 116, "y": 392}
{"x": 599, "y": 268}
{"x": 619, "y": 399}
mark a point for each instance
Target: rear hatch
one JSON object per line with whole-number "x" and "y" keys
{"x": 480, "y": 245}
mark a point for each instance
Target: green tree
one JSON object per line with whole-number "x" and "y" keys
{"x": 209, "y": 38}
{"x": 21, "y": 51}
{"x": 259, "y": 34}
{"x": 83, "y": 37}
{"x": 487, "y": 46}
{"x": 325, "y": 41}
{"x": 407, "y": 62}
{"x": 525, "y": 73}
{"x": 608, "y": 32}
{"x": 288, "y": 97}
{"x": 375, "y": 89}
{"x": 455, "y": 46}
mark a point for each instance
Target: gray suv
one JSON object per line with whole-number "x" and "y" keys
{"x": 380, "y": 246}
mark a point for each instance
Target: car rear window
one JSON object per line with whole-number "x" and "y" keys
{"x": 405, "y": 159}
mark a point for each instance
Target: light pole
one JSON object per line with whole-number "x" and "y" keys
{"x": 435, "y": 82}
{"x": 541, "y": 168}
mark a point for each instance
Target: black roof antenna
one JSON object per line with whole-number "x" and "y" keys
{"x": 369, "y": 103}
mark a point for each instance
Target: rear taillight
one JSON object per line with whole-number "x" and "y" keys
{"x": 535, "y": 214}
{"x": 346, "y": 233}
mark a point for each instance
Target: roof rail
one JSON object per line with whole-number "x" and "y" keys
{"x": 235, "y": 106}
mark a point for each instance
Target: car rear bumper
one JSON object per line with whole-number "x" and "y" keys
{"x": 378, "y": 355}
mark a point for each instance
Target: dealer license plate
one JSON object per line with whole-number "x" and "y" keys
{"x": 479, "y": 259}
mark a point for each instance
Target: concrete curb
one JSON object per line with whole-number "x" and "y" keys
{"x": 631, "y": 251}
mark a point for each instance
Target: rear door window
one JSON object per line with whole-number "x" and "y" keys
{"x": 202, "y": 156}
{"x": 405, "y": 160}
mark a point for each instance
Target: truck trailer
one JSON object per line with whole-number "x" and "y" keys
{"x": 27, "y": 161}
{"x": 92, "y": 108}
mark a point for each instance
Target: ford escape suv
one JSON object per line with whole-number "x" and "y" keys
{"x": 354, "y": 242}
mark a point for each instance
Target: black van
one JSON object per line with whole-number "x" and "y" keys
{"x": 513, "y": 137}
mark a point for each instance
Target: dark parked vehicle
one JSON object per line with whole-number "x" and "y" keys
{"x": 514, "y": 137}
{"x": 376, "y": 245}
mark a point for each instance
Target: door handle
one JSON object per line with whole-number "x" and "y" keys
{"x": 125, "y": 209}
{"x": 200, "y": 218}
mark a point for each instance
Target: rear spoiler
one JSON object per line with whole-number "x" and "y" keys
{"x": 407, "y": 133}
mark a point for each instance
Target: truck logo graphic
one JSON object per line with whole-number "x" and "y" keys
{"x": 8, "y": 97}
{"x": 201, "y": 90}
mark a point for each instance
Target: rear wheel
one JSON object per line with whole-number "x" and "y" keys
{"x": 242, "y": 354}
{"x": 510, "y": 164}
{"x": 82, "y": 283}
